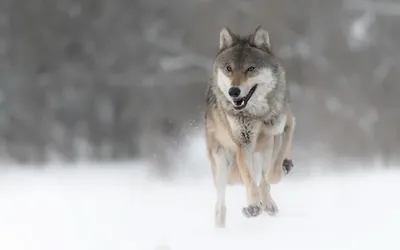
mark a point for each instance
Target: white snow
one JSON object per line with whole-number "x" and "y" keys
{"x": 115, "y": 207}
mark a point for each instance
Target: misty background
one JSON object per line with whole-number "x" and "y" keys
{"x": 102, "y": 80}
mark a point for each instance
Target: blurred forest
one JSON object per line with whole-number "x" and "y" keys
{"x": 116, "y": 80}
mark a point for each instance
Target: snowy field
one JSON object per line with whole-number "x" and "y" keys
{"x": 114, "y": 207}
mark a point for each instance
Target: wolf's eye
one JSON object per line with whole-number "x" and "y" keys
{"x": 229, "y": 68}
{"x": 251, "y": 69}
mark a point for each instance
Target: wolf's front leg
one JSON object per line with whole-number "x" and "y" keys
{"x": 268, "y": 204}
{"x": 223, "y": 159}
{"x": 244, "y": 157}
{"x": 269, "y": 156}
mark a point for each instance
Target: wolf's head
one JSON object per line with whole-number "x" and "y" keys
{"x": 245, "y": 69}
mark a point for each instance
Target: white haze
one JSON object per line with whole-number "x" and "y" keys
{"x": 122, "y": 206}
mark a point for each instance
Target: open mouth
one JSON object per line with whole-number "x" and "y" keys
{"x": 240, "y": 103}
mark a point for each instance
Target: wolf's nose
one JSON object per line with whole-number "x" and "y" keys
{"x": 234, "y": 92}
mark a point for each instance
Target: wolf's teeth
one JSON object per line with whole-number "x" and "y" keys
{"x": 239, "y": 103}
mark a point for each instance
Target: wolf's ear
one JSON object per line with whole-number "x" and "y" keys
{"x": 260, "y": 38}
{"x": 226, "y": 38}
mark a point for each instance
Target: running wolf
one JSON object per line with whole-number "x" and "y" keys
{"x": 248, "y": 122}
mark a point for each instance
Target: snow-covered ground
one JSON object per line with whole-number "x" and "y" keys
{"x": 120, "y": 208}
{"x": 124, "y": 207}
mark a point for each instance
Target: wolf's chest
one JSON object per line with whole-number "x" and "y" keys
{"x": 224, "y": 137}
{"x": 244, "y": 131}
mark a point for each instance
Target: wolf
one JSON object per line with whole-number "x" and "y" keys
{"x": 249, "y": 124}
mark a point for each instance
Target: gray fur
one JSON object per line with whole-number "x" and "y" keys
{"x": 246, "y": 124}
{"x": 243, "y": 53}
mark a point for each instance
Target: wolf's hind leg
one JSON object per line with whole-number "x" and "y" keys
{"x": 280, "y": 166}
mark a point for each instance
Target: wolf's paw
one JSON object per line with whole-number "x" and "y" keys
{"x": 270, "y": 208}
{"x": 287, "y": 166}
{"x": 252, "y": 211}
{"x": 220, "y": 216}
